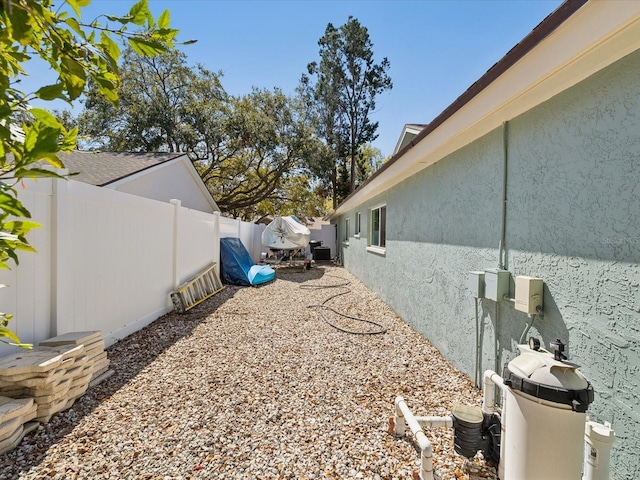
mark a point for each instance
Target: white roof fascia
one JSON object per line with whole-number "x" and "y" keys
{"x": 198, "y": 180}
{"x": 597, "y": 35}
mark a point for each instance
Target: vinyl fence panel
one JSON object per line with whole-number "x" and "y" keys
{"x": 28, "y": 292}
{"x": 106, "y": 260}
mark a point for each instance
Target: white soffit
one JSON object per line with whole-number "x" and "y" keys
{"x": 597, "y": 35}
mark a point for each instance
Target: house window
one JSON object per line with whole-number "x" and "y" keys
{"x": 378, "y": 227}
{"x": 358, "y": 224}
{"x": 345, "y": 237}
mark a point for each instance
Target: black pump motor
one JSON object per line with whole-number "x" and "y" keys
{"x": 473, "y": 431}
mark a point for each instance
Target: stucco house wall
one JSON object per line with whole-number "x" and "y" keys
{"x": 572, "y": 219}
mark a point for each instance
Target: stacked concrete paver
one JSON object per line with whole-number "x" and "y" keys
{"x": 53, "y": 376}
{"x": 94, "y": 349}
{"x": 16, "y": 417}
{"x": 38, "y": 383}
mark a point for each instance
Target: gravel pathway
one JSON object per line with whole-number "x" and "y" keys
{"x": 252, "y": 384}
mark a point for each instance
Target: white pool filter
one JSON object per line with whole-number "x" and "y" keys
{"x": 544, "y": 415}
{"x": 541, "y": 432}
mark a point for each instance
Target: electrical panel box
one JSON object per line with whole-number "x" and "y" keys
{"x": 476, "y": 284}
{"x": 529, "y": 294}
{"x": 496, "y": 284}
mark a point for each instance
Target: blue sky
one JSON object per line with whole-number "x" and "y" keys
{"x": 437, "y": 49}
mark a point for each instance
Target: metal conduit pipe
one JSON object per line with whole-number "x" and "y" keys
{"x": 404, "y": 418}
{"x": 505, "y": 170}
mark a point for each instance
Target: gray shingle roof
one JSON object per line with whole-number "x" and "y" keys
{"x": 103, "y": 168}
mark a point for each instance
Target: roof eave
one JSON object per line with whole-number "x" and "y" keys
{"x": 571, "y": 44}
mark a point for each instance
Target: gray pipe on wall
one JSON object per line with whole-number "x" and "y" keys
{"x": 505, "y": 171}
{"x": 503, "y": 233}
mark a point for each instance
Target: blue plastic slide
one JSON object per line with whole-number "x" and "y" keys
{"x": 238, "y": 267}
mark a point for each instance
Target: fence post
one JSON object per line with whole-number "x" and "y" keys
{"x": 62, "y": 318}
{"x": 216, "y": 240}
{"x": 176, "y": 240}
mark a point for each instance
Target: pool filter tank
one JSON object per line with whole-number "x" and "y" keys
{"x": 541, "y": 432}
{"x": 543, "y": 416}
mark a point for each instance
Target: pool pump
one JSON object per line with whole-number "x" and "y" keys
{"x": 542, "y": 431}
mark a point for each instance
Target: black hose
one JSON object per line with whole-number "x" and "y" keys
{"x": 322, "y": 306}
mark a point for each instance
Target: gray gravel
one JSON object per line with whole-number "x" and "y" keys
{"x": 253, "y": 384}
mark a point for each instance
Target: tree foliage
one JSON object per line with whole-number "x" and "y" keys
{"x": 347, "y": 82}
{"x": 245, "y": 148}
{"x": 77, "y": 52}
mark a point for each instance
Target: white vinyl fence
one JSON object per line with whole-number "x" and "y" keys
{"x": 249, "y": 234}
{"x": 106, "y": 260}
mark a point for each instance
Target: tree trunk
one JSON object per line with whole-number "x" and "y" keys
{"x": 354, "y": 164}
{"x": 334, "y": 185}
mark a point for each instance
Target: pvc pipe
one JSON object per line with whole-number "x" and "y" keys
{"x": 435, "y": 422}
{"x": 490, "y": 380}
{"x": 476, "y": 372}
{"x": 426, "y": 453}
{"x": 598, "y": 440}
{"x": 496, "y": 340}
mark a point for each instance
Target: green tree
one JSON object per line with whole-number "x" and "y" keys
{"x": 296, "y": 196}
{"x": 163, "y": 105}
{"x": 370, "y": 159}
{"x": 77, "y": 52}
{"x": 347, "y": 83}
{"x": 275, "y": 142}
{"x": 245, "y": 148}
{"x": 322, "y": 102}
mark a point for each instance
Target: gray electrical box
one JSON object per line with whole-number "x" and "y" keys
{"x": 476, "y": 284}
{"x": 496, "y": 284}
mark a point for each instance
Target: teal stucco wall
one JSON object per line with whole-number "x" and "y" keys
{"x": 572, "y": 219}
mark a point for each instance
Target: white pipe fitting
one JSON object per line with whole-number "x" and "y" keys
{"x": 598, "y": 439}
{"x": 490, "y": 380}
{"x": 435, "y": 422}
{"x": 405, "y": 417}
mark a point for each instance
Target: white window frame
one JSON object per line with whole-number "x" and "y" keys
{"x": 358, "y": 225}
{"x": 377, "y": 247}
{"x": 345, "y": 234}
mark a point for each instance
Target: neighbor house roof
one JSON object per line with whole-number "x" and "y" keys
{"x": 409, "y": 132}
{"x": 158, "y": 175}
{"x": 575, "y": 41}
{"x": 102, "y": 168}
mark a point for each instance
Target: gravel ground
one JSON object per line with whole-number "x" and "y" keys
{"x": 253, "y": 384}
